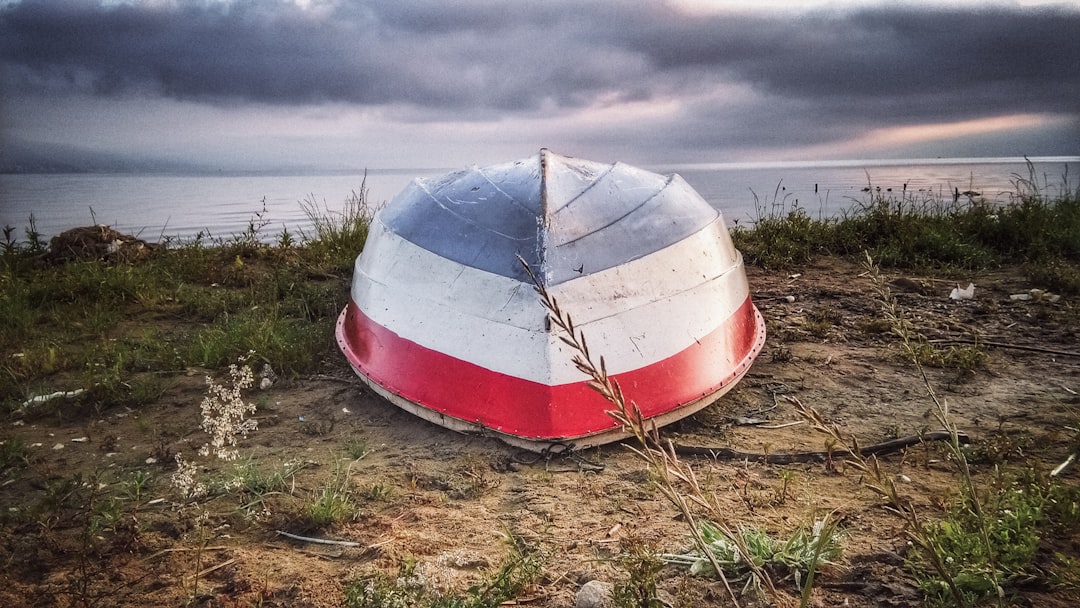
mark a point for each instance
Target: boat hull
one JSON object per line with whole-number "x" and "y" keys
{"x": 442, "y": 324}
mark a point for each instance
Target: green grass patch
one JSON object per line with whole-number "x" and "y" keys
{"x": 909, "y": 230}
{"x": 1007, "y": 542}
{"x": 83, "y": 323}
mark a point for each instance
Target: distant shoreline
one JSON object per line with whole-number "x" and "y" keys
{"x": 153, "y": 170}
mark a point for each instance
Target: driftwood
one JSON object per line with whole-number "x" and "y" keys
{"x": 321, "y": 541}
{"x": 878, "y": 449}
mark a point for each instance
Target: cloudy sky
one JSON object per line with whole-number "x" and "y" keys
{"x": 350, "y": 84}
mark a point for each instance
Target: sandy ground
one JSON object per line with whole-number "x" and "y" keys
{"x": 443, "y": 499}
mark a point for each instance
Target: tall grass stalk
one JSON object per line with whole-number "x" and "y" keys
{"x": 676, "y": 479}
{"x": 902, "y": 329}
{"x": 876, "y": 479}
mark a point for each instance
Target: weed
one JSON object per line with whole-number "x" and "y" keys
{"x": 467, "y": 481}
{"x": 800, "y": 556}
{"x": 785, "y": 481}
{"x": 820, "y": 322}
{"x": 1059, "y": 276}
{"x": 222, "y": 299}
{"x": 642, "y": 565}
{"x": 282, "y": 340}
{"x": 34, "y": 243}
{"x": 9, "y": 249}
{"x": 357, "y": 447}
{"x": 379, "y": 490}
{"x": 136, "y": 484}
{"x": 255, "y": 481}
{"x": 13, "y": 454}
{"x": 922, "y": 232}
{"x": 318, "y": 428}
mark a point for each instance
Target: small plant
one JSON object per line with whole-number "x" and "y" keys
{"x": 784, "y": 492}
{"x": 357, "y": 447}
{"x": 638, "y": 590}
{"x": 136, "y": 484}
{"x": 223, "y": 418}
{"x": 35, "y": 245}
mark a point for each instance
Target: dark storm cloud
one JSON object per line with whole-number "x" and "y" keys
{"x": 815, "y": 73}
{"x": 434, "y": 55}
{"x": 984, "y": 60}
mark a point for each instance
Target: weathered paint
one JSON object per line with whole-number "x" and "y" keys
{"x": 444, "y": 322}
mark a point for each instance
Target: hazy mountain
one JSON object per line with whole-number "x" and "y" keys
{"x": 35, "y": 157}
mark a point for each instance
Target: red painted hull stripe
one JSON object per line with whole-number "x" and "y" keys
{"x": 466, "y": 391}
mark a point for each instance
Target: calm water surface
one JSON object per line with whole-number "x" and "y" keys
{"x": 182, "y": 206}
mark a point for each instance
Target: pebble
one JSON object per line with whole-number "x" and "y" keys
{"x": 594, "y": 594}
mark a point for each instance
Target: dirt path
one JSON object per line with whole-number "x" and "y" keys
{"x": 442, "y": 499}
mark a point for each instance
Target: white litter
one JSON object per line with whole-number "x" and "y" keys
{"x": 967, "y": 293}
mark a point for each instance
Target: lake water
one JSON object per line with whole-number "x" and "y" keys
{"x": 182, "y": 206}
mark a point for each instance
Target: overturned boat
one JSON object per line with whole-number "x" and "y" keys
{"x": 444, "y": 322}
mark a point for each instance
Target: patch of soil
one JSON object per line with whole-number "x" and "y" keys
{"x": 443, "y": 499}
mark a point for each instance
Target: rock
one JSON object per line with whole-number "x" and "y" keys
{"x": 594, "y": 594}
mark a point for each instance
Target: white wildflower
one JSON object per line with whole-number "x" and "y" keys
{"x": 224, "y": 411}
{"x": 184, "y": 479}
